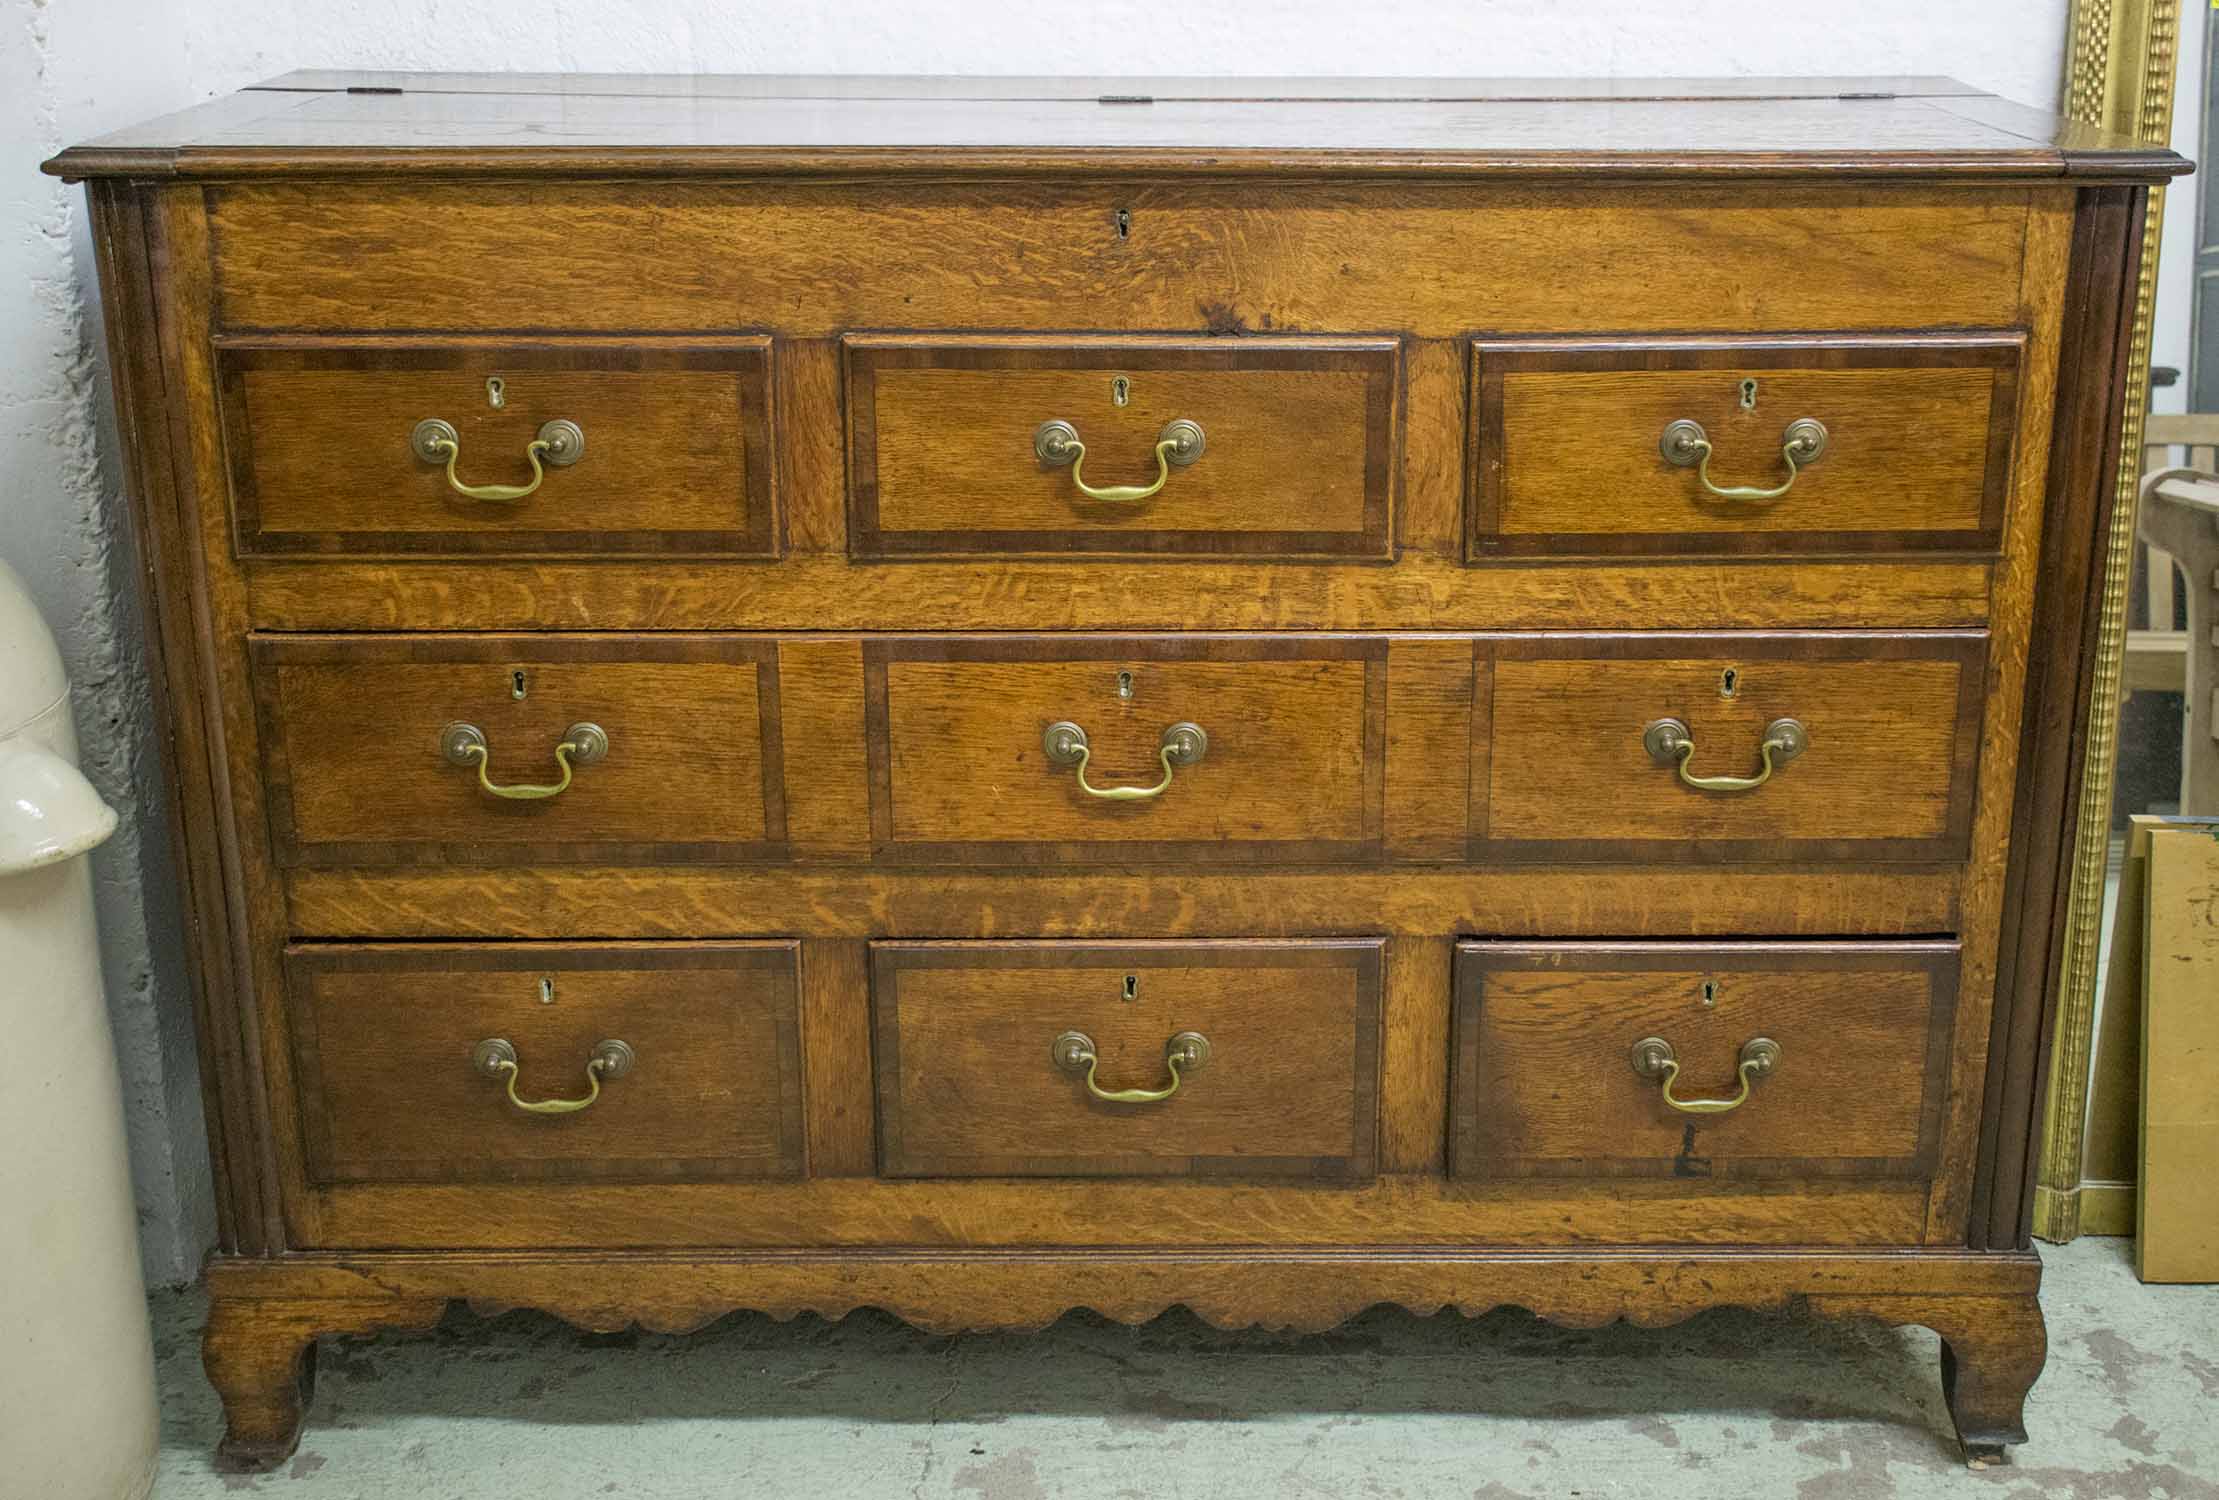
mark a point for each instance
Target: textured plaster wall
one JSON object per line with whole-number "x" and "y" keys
{"x": 74, "y": 68}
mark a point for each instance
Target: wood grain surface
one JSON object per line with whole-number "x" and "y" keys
{"x": 266, "y": 1315}
{"x": 355, "y": 769}
{"x": 1892, "y": 724}
{"x": 820, "y": 260}
{"x": 1299, "y": 458}
{"x": 1545, "y": 1086}
{"x": 1566, "y": 458}
{"x": 1378, "y": 1216}
{"x": 1294, "y": 770}
{"x": 386, "y": 1035}
{"x": 677, "y": 455}
{"x": 967, "y": 1086}
{"x": 1111, "y": 593}
{"x": 821, "y": 744}
{"x": 374, "y": 123}
{"x": 1098, "y": 900}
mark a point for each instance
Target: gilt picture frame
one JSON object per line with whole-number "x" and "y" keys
{"x": 2121, "y": 59}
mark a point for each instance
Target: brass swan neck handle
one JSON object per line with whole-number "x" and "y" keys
{"x": 560, "y": 443}
{"x": 1685, "y": 445}
{"x": 1183, "y": 744}
{"x": 465, "y": 745}
{"x": 1187, "y": 1052}
{"x": 495, "y": 1057}
{"x": 1670, "y": 743}
{"x": 1057, "y": 444}
{"x": 1654, "y": 1057}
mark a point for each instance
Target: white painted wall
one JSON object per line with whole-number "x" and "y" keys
{"x": 2176, "y": 262}
{"x": 74, "y": 68}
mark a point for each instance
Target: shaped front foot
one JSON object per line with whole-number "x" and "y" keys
{"x": 1992, "y": 1353}
{"x": 260, "y": 1353}
{"x": 265, "y": 1371}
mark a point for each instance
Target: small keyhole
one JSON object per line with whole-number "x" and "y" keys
{"x": 1121, "y": 391}
{"x": 1710, "y": 992}
{"x": 1729, "y": 682}
{"x": 496, "y": 392}
{"x": 1749, "y": 395}
{"x": 517, "y": 687}
{"x": 547, "y": 992}
{"x": 1132, "y": 986}
{"x": 1124, "y": 223}
{"x": 1124, "y": 684}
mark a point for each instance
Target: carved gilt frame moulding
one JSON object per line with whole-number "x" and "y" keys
{"x": 2120, "y": 62}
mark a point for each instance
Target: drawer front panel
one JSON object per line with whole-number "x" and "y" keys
{"x": 1568, "y": 456}
{"x": 979, "y": 1073}
{"x": 1288, "y": 766}
{"x": 387, "y": 1051}
{"x": 1890, "y": 729}
{"x": 1545, "y": 1045}
{"x": 674, "y": 453}
{"x": 365, "y": 765}
{"x": 1295, "y": 454}
{"x": 1437, "y": 259}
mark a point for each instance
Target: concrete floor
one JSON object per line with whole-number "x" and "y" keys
{"x": 1726, "y": 1405}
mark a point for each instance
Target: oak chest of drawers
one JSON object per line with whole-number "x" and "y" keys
{"x": 975, "y": 699}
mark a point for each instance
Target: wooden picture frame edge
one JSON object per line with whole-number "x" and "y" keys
{"x": 2121, "y": 61}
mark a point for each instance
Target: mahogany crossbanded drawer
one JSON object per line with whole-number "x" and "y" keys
{"x": 475, "y": 748}
{"x": 1304, "y": 461}
{"x": 1606, "y": 447}
{"x": 1564, "y": 1051}
{"x": 960, "y": 1028}
{"x": 692, "y": 411}
{"x": 378, "y": 1027}
{"x": 976, "y": 703}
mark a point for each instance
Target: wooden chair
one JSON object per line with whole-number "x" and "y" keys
{"x": 2179, "y": 529}
{"x": 2157, "y": 646}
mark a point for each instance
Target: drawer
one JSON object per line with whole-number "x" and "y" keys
{"x": 1587, "y": 757}
{"x": 1569, "y": 451}
{"x": 1565, "y": 1054}
{"x": 1286, "y": 446}
{"x": 399, "y": 1053}
{"x": 993, "y": 1059}
{"x": 444, "y": 749}
{"x": 1078, "y": 748}
{"x": 667, "y": 449}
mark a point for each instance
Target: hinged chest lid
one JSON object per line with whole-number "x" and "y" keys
{"x": 478, "y": 124}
